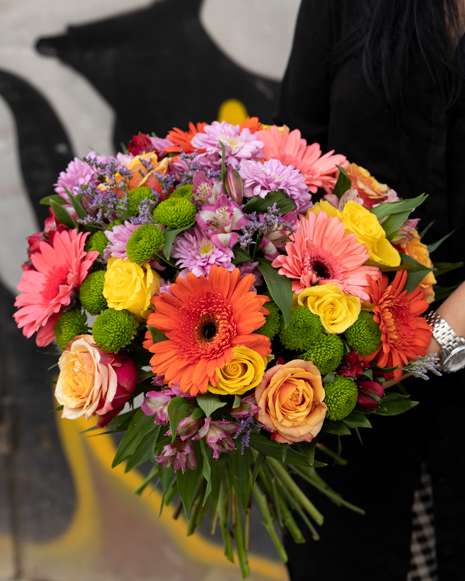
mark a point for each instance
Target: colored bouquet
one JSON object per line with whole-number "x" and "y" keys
{"x": 254, "y": 292}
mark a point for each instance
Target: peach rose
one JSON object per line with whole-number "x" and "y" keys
{"x": 369, "y": 189}
{"x": 419, "y": 251}
{"x": 290, "y": 398}
{"x": 92, "y": 381}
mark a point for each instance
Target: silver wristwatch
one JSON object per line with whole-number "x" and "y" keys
{"x": 452, "y": 346}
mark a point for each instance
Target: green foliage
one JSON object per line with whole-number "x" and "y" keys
{"x": 304, "y": 329}
{"x": 91, "y": 293}
{"x": 365, "y": 334}
{"x": 209, "y": 403}
{"x": 70, "y": 324}
{"x": 144, "y": 243}
{"x": 139, "y": 426}
{"x": 279, "y": 287}
{"x": 394, "y": 404}
{"x": 114, "y": 329}
{"x": 343, "y": 183}
{"x": 260, "y": 205}
{"x": 170, "y": 235}
{"x": 341, "y": 397}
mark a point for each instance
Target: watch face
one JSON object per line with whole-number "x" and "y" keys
{"x": 456, "y": 360}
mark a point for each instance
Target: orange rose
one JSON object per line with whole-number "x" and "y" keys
{"x": 419, "y": 251}
{"x": 290, "y": 398}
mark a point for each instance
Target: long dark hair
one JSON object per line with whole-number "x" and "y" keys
{"x": 399, "y": 34}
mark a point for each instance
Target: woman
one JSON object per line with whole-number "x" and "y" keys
{"x": 381, "y": 81}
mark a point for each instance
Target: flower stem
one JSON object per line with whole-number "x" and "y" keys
{"x": 240, "y": 544}
{"x": 224, "y": 522}
{"x": 268, "y": 522}
{"x": 288, "y": 482}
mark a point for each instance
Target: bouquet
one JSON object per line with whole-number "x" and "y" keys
{"x": 253, "y": 292}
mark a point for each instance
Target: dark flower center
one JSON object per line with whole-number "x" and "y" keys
{"x": 321, "y": 269}
{"x": 209, "y": 330}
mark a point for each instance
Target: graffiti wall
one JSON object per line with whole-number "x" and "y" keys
{"x": 84, "y": 75}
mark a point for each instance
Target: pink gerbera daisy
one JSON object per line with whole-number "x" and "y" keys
{"x": 60, "y": 268}
{"x": 291, "y": 149}
{"x": 320, "y": 252}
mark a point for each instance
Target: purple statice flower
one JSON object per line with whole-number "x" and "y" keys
{"x": 206, "y": 190}
{"x": 198, "y": 253}
{"x": 247, "y": 407}
{"x": 221, "y": 218}
{"x": 251, "y": 268}
{"x": 77, "y": 174}
{"x": 248, "y": 425}
{"x": 218, "y": 435}
{"x": 262, "y": 178}
{"x": 179, "y": 454}
{"x": 239, "y": 145}
{"x": 421, "y": 366}
{"x": 186, "y": 427}
{"x": 118, "y": 239}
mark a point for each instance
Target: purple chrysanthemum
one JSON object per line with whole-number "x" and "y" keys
{"x": 118, "y": 240}
{"x": 77, "y": 174}
{"x": 262, "y": 178}
{"x": 239, "y": 145}
{"x": 197, "y": 253}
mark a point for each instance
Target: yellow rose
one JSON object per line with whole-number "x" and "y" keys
{"x": 130, "y": 286}
{"x": 290, "y": 398}
{"x": 242, "y": 373}
{"x": 369, "y": 232}
{"x": 326, "y": 207}
{"x": 336, "y": 310}
{"x": 419, "y": 251}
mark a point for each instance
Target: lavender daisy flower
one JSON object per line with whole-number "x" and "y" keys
{"x": 239, "y": 145}
{"x": 197, "y": 253}
{"x": 77, "y": 174}
{"x": 118, "y": 240}
{"x": 260, "y": 179}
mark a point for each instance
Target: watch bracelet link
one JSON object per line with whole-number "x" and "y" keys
{"x": 444, "y": 334}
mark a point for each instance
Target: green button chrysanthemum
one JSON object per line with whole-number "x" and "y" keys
{"x": 273, "y": 321}
{"x": 175, "y": 213}
{"x": 341, "y": 397}
{"x": 326, "y": 353}
{"x": 182, "y": 192}
{"x": 70, "y": 324}
{"x": 135, "y": 197}
{"x": 364, "y": 335}
{"x": 304, "y": 329}
{"x": 91, "y": 293}
{"x": 144, "y": 243}
{"x": 97, "y": 241}
{"x": 114, "y": 329}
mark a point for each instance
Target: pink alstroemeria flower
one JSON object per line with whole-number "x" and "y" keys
{"x": 218, "y": 435}
{"x": 186, "y": 428}
{"x": 368, "y": 394}
{"x": 179, "y": 454}
{"x": 157, "y": 402}
{"x": 221, "y": 218}
{"x": 206, "y": 190}
{"x": 277, "y": 238}
{"x": 349, "y": 196}
{"x": 247, "y": 407}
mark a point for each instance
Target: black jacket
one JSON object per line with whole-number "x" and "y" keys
{"x": 331, "y": 104}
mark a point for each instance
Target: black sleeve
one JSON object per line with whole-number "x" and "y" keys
{"x": 304, "y": 101}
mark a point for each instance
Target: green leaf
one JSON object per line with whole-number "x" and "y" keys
{"x": 390, "y": 208}
{"x": 260, "y": 205}
{"x": 188, "y": 481}
{"x": 436, "y": 245}
{"x": 329, "y": 378}
{"x": 343, "y": 183}
{"x": 76, "y": 204}
{"x": 425, "y": 230}
{"x": 209, "y": 403}
{"x": 143, "y": 451}
{"x": 217, "y": 471}
{"x": 415, "y": 274}
{"x": 393, "y": 223}
{"x": 144, "y": 375}
{"x": 223, "y": 165}
{"x": 206, "y": 470}
{"x": 139, "y": 426}
{"x": 241, "y": 256}
{"x": 197, "y": 413}
{"x": 237, "y": 401}
{"x": 166, "y": 475}
{"x": 356, "y": 420}
{"x": 62, "y": 215}
{"x": 442, "y": 292}
{"x": 178, "y": 409}
{"x": 257, "y": 466}
{"x": 279, "y": 287}
{"x": 269, "y": 448}
{"x": 308, "y": 449}
{"x": 170, "y": 235}
{"x": 393, "y": 404}
{"x": 56, "y": 198}
{"x": 443, "y": 267}
{"x": 239, "y": 473}
{"x": 157, "y": 335}
{"x": 338, "y": 428}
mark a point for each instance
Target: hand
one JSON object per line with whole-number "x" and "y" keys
{"x": 392, "y": 382}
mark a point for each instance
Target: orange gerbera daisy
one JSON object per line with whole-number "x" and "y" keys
{"x": 405, "y": 335}
{"x": 182, "y": 139}
{"x": 251, "y": 123}
{"x": 203, "y": 321}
